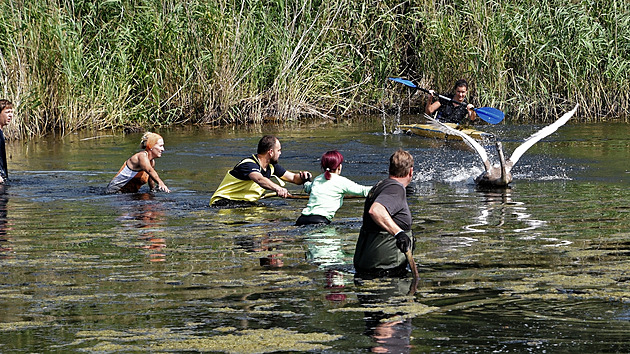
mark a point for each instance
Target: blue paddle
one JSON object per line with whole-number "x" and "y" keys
{"x": 488, "y": 114}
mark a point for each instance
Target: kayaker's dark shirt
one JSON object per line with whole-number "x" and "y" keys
{"x": 452, "y": 113}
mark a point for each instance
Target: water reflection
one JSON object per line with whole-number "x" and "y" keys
{"x": 148, "y": 217}
{"x": 80, "y": 277}
{"x": 266, "y": 245}
{"x": 5, "y": 241}
{"x": 390, "y": 330}
{"x": 335, "y": 283}
{"x": 496, "y": 207}
{"x": 325, "y": 247}
{"x": 391, "y": 337}
{"x": 273, "y": 258}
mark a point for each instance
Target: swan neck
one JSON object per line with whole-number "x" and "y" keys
{"x": 502, "y": 163}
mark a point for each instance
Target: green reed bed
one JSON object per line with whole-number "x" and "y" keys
{"x": 75, "y": 64}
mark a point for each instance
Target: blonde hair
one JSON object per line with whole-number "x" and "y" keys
{"x": 149, "y": 140}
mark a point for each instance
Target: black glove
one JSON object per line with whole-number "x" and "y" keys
{"x": 306, "y": 176}
{"x": 403, "y": 242}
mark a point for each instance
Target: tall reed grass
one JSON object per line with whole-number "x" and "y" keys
{"x": 76, "y": 64}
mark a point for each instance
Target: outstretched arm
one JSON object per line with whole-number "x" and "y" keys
{"x": 268, "y": 184}
{"x": 352, "y": 188}
{"x": 297, "y": 178}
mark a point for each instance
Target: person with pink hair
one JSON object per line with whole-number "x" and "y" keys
{"x": 139, "y": 169}
{"x": 327, "y": 191}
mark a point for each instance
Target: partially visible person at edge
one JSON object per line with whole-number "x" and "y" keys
{"x": 451, "y": 112}
{"x": 6, "y": 114}
{"x": 139, "y": 169}
{"x": 251, "y": 177}
{"x": 385, "y": 235}
{"x": 327, "y": 191}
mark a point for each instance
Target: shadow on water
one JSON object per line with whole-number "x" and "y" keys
{"x": 539, "y": 267}
{"x": 5, "y": 239}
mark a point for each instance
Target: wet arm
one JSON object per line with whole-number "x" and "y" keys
{"x": 266, "y": 183}
{"x": 293, "y": 177}
{"x": 147, "y": 166}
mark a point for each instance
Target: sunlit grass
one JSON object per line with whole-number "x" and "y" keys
{"x": 72, "y": 64}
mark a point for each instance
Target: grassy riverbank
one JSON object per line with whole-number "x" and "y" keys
{"x": 74, "y": 64}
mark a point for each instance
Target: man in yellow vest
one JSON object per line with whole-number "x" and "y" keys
{"x": 248, "y": 180}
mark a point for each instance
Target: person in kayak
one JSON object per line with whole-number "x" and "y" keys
{"x": 327, "y": 191}
{"x": 451, "y": 112}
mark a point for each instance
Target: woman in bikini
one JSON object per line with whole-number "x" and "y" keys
{"x": 139, "y": 168}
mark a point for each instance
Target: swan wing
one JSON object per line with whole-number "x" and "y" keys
{"x": 467, "y": 139}
{"x": 536, "y": 137}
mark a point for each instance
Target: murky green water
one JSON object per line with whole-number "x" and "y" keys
{"x": 543, "y": 267}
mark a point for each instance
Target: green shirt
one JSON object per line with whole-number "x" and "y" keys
{"x": 327, "y": 195}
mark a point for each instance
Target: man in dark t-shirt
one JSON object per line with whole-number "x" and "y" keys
{"x": 249, "y": 179}
{"x": 385, "y": 234}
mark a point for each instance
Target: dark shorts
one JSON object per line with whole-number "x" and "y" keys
{"x": 311, "y": 220}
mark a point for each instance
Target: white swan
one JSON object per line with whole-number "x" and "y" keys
{"x": 501, "y": 175}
